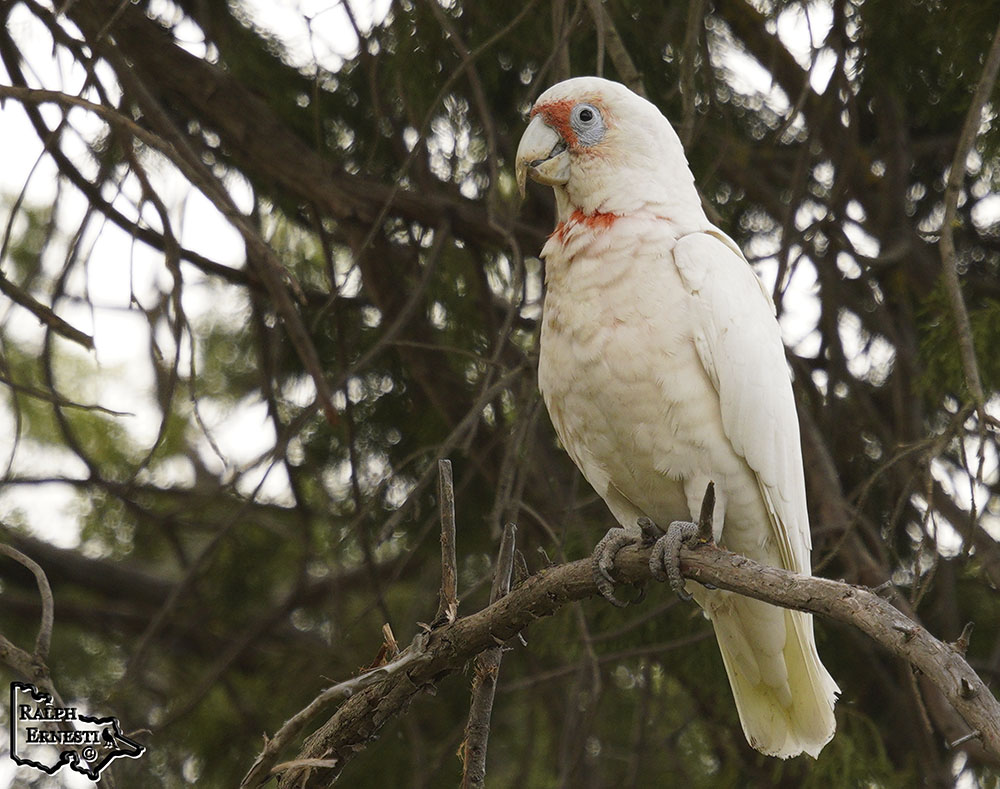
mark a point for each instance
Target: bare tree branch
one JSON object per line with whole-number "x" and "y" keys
{"x": 33, "y": 666}
{"x": 448, "y": 603}
{"x": 949, "y": 259}
{"x": 379, "y": 180}
{"x": 484, "y": 677}
{"x": 616, "y": 49}
{"x": 44, "y": 638}
{"x": 44, "y": 314}
{"x": 434, "y": 655}
{"x": 263, "y": 767}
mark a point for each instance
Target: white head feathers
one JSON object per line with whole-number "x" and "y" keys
{"x": 606, "y": 150}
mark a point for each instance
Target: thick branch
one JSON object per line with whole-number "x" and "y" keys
{"x": 447, "y": 649}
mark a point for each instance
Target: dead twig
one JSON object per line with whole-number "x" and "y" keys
{"x": 448, "y": 597}
{"x": 264, "y": 766}
{"x": 44, "y": 638}
{"x": 33, "y": 666}
{"x": 484, "y": 677}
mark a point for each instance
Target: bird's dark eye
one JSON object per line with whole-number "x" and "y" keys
{"x": 586, "y": 115}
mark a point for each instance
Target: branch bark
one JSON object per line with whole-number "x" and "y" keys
{"x": 445, "y": 650}
{"x": 448, "y": 597}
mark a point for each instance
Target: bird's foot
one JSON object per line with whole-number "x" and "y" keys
{"x": 603, "y": 562}
{"x": 665, "y": 559}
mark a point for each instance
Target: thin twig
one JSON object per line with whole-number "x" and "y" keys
{"x": 44, "y": 638}
{"x": 33, "y": 666}
{"x": 448, "y": 599}
{"x": 58, "y": 399}
{"x": 949, "y": 259}
{"x": 263, "y": 766}
{"x": 484, "y": 677}
{"x": 695, "y": 22}
{"x": 44, "y": 314}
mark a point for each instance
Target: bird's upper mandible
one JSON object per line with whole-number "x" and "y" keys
{"x": 543, "y": 154}
{"x": 558, "y": 128}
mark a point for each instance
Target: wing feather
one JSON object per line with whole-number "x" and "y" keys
{"x": 739, "y": 344}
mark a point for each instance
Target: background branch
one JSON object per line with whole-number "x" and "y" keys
{"x": 949, "y": 258}
{"x": 44, "y": 638}
{"x": 33, "y": 666}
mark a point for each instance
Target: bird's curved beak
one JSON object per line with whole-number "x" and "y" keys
{"x": 542, "y": 154}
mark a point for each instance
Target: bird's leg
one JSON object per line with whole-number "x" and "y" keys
{"x": 606, "y": 551}
{"x": 665, "y": 559}
{"x": 650, "y": 531}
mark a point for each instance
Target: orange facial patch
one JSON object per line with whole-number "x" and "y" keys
{"x": 556, "y": 115}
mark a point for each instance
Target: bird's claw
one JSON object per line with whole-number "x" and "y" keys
{"x": 665, "y": 558}
{"x": 603, "y": 562}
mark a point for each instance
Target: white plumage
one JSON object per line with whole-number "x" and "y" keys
{"x": 662, "y": 368}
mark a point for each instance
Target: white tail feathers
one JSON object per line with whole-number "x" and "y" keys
{"x": 783, "y": 693}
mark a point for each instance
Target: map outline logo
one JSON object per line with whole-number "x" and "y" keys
{"x": 87, "y": 743}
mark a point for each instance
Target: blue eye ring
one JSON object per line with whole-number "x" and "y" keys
{"x": 588, "y": 124}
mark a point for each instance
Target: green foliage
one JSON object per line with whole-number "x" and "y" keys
{"x": 942, "y": 369}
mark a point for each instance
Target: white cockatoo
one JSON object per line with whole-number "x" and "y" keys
{"x": 663, "y": 369}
